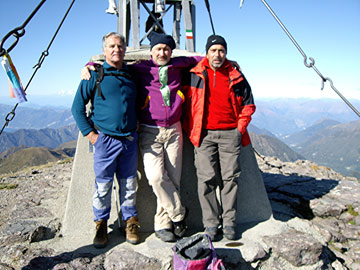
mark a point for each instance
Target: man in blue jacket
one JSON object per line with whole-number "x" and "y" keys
{"x": 111, "y": 128}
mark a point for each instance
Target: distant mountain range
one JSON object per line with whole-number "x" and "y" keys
{"x": 47, "y": 137}
{"x": 300, "y": 137}
{"x": 278, "y": 117}
{"x": 286, "y": 116}
{"x": 324, "y": 131}
{"x": 36, "y": 118}
{"x": 270, "y": 146}
{"x": 334, "y": 145}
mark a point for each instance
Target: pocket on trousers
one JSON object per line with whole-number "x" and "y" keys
{"x": 98, "y": 139}
{"x": 238, "y": 135}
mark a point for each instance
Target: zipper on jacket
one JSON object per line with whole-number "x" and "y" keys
{"x": 166, "y": 113}
{"x": 214, "y": 83}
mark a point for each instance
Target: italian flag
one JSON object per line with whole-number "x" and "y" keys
{"x": 189, "y": 34}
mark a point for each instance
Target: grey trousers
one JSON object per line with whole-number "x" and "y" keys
{"x": 217, "y": 163}
{"x": 161, "y": 150}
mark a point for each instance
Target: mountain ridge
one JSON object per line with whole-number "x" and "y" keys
{"x": 38, "y": 137}
{"x": 292, "y": 121}
{"x": 336, "y": 146}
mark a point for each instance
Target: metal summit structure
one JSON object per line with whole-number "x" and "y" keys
{"x": 128, "y": 13}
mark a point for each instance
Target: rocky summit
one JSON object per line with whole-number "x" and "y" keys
{"x": 315, "y": 224}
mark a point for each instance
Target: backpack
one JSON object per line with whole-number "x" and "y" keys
{"x": 196, "y": 253}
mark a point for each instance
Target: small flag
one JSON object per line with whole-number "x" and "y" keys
{"x": 189, "y": 34}
{"x": 16, "y": 88}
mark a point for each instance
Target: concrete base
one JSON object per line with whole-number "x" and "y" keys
{"x": 78, "y": 216}
{"x": 253, "y": 203}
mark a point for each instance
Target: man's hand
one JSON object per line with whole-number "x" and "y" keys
{"x": 92, "y": 136}
{"x": 85, "y": 73}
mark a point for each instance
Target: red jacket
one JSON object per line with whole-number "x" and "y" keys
{"x": 241, "y": 99}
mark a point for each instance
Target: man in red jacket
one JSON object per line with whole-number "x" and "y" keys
{"x": 219, "y": 108}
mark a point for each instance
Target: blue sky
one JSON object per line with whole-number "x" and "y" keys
{"x": 327, "y": 30}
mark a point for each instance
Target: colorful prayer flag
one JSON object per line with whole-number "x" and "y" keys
{"x": 15, "y": 86}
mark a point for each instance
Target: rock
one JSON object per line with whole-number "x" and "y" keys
{"x": 295, "y": 247}
{"x": 4, "y": 266}
{"x": 255, "y": 252}
{"x": 125, "y": 259}
{"x": 318, "y": 208}
{"x": 338, "y": 266}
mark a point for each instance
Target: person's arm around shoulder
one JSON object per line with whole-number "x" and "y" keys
{"x": 186, "y": 61}
{"x": 94, "y": 61}
{"x": 85, "y": 71}
{"x": 194, "y": 60}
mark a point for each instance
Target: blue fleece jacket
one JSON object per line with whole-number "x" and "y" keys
{"x": 114, "y": 111}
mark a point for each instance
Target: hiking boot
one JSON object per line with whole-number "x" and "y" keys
{"x": 179, "y": 228}
{"x": 214, "y": 233}
{"x": 229, "y": 232}
{"x": 165, "y": 235}
{"x": 132, "y": 230}
{"x": 101, "y": 239}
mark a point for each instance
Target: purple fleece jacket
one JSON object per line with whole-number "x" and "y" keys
{"x": 153, "y": 111}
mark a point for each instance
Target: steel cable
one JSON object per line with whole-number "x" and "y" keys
{"x": 312, "y": 63}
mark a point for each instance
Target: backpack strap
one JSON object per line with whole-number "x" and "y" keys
{"x": 100, "y": 77}
{"x": 219, "y": 265}
{"x": 119, "y": 74}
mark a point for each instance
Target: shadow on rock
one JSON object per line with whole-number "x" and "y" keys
{"x": 233, "y": 259}
{"x": 85, "y": 257}
{"x": 67, "y": 260}
{"x": 290, "y": 196}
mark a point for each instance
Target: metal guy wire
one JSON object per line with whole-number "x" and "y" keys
{"x": 312, "y": 63}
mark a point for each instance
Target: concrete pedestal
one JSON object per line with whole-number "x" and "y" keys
{"x": 253, "y": 203}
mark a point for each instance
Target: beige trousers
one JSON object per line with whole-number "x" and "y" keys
{"x": 161, "y": 150}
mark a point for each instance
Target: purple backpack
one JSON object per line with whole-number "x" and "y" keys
{"x": 196, "y": 253}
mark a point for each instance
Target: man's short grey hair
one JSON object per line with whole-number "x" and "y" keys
{"x": 104, "y": 39}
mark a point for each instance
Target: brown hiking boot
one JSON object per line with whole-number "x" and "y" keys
{"x": 101, "y": 238}
{"x": 132, "y": 232}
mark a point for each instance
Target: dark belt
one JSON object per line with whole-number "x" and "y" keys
{"x": 129, "y": 137}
